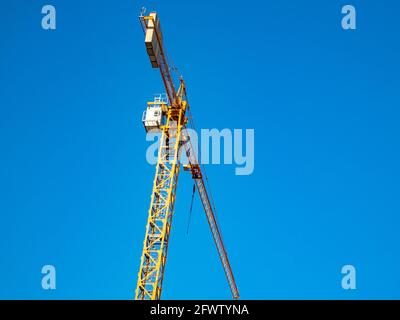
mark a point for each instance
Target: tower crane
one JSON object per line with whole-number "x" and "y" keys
{"x": 171, "y": 117}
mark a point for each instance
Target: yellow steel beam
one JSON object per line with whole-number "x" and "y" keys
{"x": 161, "y": 210}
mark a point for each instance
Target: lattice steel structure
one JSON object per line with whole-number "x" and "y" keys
{"x": 174, "y": 137}
{"x": 155, "y": 247}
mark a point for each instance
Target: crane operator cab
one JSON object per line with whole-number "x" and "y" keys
{"x": 153, "y": 116}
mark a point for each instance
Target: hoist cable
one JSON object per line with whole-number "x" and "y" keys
{"x": 191, "y": 208}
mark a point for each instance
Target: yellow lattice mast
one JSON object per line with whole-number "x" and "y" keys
{"x": 169, "y": 117}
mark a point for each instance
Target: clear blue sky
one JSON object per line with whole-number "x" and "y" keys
{"x": 75, "y": 185}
